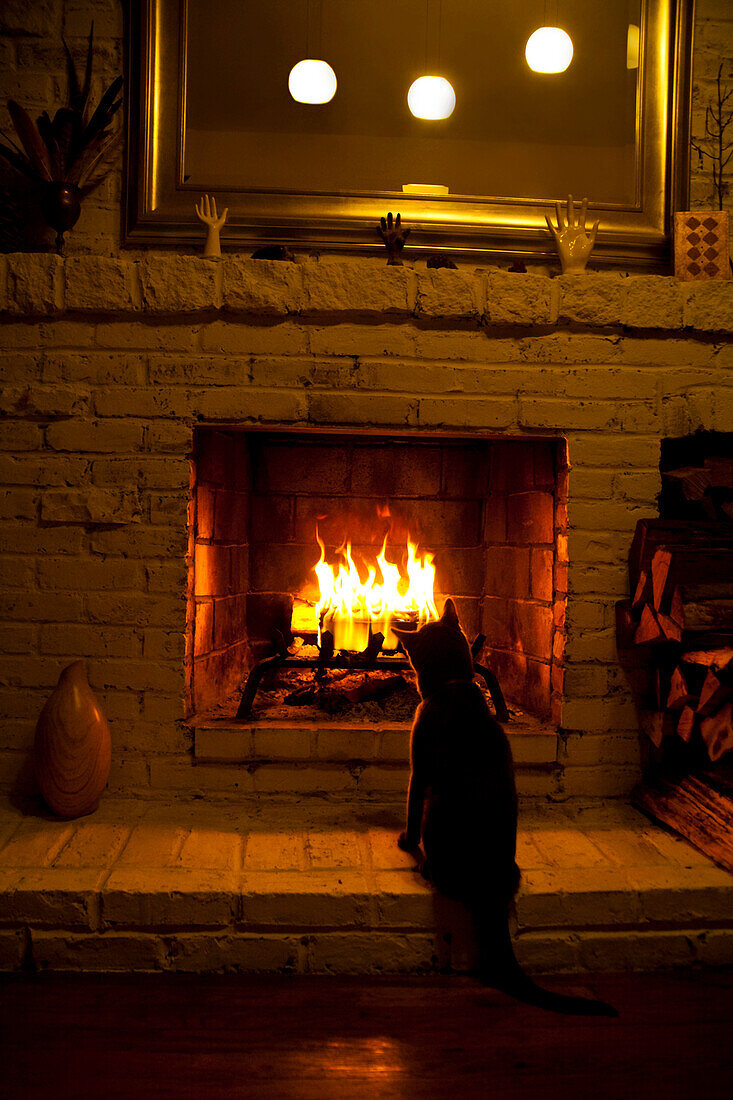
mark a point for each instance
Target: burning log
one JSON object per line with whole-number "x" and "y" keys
{"x": 336, "y": 699}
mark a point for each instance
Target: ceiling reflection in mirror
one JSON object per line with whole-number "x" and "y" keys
{"x": 513, "y": 132}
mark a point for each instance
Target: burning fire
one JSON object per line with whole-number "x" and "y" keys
{"x": 349, "y": 606}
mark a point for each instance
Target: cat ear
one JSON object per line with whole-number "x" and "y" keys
{"x": 404, "y": 636}
{"x": 450, "y": 615}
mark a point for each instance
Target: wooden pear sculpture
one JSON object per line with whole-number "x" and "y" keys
{"x": 73, "y": 748}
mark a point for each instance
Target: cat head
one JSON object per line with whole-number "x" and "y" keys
{"x": 438, "y": 652}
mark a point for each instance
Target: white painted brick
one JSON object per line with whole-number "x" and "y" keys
{"x": 371, "y": 953}
{"x": 360, "y": 286}
{"x": 261, "y": 406}
{"x": 592, "y": 298}
{"x": 60, "y": 950}
{"x": 709, "y": 306}
{"x": 318, "y": 899}
{"x": 34, "y": 282}
{"x": 179, "y": 284}
{"x": 520, "y": 299}
{"x": 467, "y": 412}
{"x": 452, "y": 294}
{"x": 163, "y": 897}
{"x": 99, "y": 367}
{"x": 12, "y": 949}
{"x": 226, "y": 338}
{"x": 249, "y": 953}
{"x": 99, "y": 284}
{"x": 652, "y": 301}
{"x": 57, "y": 896}
{"x": 95, "y": 506}
{"x": 128, "y": 335}
{"x": 333, "y": 408}
{"x": 95, "y": 435}
{"x": 262, "y": 286}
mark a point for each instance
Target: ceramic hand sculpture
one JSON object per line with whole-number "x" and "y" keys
{"x": 206, "y": 213}
{"x": 394, "y": 237}
{"x": 573, "y": 241}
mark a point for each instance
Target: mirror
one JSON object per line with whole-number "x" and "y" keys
{"x": 212, "y": 112}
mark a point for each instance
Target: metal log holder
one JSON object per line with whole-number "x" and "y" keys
{"x": 370, "y": 659}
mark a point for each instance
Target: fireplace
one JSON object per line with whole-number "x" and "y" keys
{"x": 488, "y": 514}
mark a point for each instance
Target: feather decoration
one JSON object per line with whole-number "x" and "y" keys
{"x": 87, "y": 74}
{"x": 19, "y": 162}
{"x": 106, "y": 109}
{"x": 93, "y": 175}
{"x": 35, "y": 149}
{"x": 70, "y": 149}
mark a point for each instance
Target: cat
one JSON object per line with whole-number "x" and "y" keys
{"x": 462, "y": 805}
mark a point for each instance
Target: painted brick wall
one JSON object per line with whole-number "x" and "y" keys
{"x": 99, "y": 409}
{"x": 32, "y": 70}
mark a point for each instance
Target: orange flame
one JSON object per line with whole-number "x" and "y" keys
{"x": 349, "y": 607}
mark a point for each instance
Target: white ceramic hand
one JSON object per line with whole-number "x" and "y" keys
{"x": 573, "y": 241}
{"x": 206, "y": 213}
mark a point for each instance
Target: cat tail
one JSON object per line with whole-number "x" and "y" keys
{"x": 498, "y": 968}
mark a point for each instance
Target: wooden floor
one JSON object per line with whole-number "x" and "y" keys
{"x": 134, "y": 1036}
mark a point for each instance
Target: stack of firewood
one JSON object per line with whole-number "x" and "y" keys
{"x": 679, "y": 623}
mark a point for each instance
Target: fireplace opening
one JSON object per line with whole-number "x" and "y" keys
{"x": 296, "y": 537}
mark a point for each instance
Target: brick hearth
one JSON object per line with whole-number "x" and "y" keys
{"x": 173, "y": 886}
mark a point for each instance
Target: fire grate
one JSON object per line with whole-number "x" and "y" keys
{"x": 369, "y": 659}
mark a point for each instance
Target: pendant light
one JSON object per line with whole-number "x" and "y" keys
{"x": 312, "y": 80}
{"x": 549, "y": 49}
{"x": 431, "y": 97}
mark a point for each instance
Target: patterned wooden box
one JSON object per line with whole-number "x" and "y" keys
{"x": 701, "y": 246}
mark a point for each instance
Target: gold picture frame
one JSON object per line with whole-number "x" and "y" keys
{"x": 159, "y": 205}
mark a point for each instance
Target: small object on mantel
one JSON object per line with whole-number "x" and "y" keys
{"x": 701, "y": 245}
{"x": 429, "y": 190}
{"x": 274, "y": 252}
{"x": 574, "y": 243}
{"x": 394, "y": 237}
{"x": 519, "y": 266}
{"x": 67, "y": 157}
{"x": 206, "y": 212}
{"x": 73, "y": 748}
{"x": 435, "y": 262}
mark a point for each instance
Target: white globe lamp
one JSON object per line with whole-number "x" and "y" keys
{"x": 549, "y": 50}
{"x": 312, "y": 81}
{"x": 431, "y": 97}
